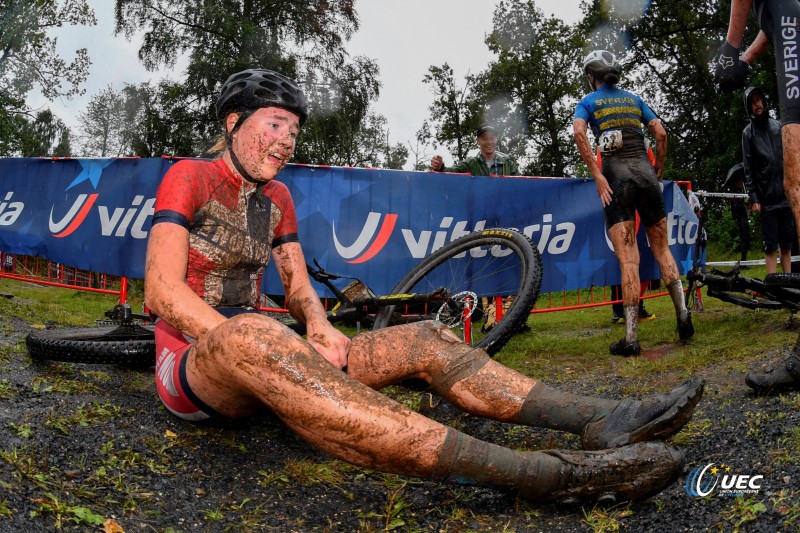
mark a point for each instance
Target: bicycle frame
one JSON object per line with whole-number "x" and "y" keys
{"x": 361, "y": 310}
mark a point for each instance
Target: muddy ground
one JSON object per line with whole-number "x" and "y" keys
{"x": 90, "y": 448}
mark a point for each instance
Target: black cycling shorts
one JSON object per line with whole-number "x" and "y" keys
{"x": 777, "y": 228}
{"x": 635, "y": 185}
{"x": 780, "y": 21}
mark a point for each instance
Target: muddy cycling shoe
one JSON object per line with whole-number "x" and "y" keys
{"x": 625, "y": 348}
{"x": 776, "y": 376}
{"x": 653, "y": 418}
{"x": 685, "y": 327}
{"x": 607, "y": 477}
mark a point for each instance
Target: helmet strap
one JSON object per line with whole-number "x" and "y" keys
{"x": 229, "y": 143}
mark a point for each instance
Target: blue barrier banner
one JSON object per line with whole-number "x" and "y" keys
{"x": 371, "y": 224}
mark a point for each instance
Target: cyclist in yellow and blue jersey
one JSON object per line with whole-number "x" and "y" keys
{"x": 628, "y": 183}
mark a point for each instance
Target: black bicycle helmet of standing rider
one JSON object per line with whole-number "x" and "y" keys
{"x": 598, "y": 63}
{"x": 251, "y": 89}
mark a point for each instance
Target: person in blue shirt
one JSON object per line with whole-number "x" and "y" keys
{"x": 626, "y": 183}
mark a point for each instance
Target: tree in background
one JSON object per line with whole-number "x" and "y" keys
{"x": 456, "y": 112}
{"x": 159, "y": 121}
{"x": 44, "y": 136}
{"x": 528, "y": 93}
{"x": 28, "y": 58}
{"x": 103, "y": 124}
{"x": 533, "y": 86}
{"x": 304, "y": 40}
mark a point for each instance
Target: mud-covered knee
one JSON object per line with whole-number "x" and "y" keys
{"x": 460, "y": 361}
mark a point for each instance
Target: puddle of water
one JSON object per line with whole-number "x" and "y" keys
{"x": 657, "y": 352}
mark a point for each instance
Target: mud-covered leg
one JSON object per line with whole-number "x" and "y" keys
{"x": 467, "y": 377}
{"x": 236, "y": 368}
{"x": 657, "y": 234}
{"x": 477, "y": 384}
{"x": 623, "y": 237}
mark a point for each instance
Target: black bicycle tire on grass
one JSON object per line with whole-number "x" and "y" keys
{"x": 129, "y": 345}
{"x": 526, "y": 257}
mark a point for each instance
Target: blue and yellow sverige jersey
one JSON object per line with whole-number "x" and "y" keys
{"x": 611, "y": 108}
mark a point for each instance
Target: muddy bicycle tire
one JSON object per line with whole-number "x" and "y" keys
{"x": 506, "y": 256}
{"x": 742, "y": 300}
{"x": 128, "y": 344}
{"x": 788, "y": 280}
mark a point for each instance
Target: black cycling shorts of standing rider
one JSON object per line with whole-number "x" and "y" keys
{"x": 780, "y": 22}
{"x": 634, "y": 183}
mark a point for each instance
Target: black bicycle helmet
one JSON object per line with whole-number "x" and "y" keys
{"x": 251, "y": 89}
{"x": 600, "y": 62}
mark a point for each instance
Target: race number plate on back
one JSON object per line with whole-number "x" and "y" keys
{"x": 610, "y": 141}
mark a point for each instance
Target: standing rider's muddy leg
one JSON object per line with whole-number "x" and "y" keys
{"x": 475, "y": 383}
{"x": 791, "y": 168}
{"x": 659, "y": 244}
{"x": 251, "y": 361}
{"x": 623, "y": 237}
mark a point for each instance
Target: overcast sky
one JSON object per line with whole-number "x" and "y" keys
{"x": 404, "y": 37}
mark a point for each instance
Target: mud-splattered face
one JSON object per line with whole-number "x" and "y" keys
{"x": 265, "y": 141}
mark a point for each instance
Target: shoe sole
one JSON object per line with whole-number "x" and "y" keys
{"x": 673, "y": 419}
{"x": 632, "y": 489}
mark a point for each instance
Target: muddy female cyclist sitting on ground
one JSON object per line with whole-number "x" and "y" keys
{"x": 214, "y": 227}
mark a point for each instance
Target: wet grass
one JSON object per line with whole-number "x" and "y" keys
{"x": 113, "y": 473}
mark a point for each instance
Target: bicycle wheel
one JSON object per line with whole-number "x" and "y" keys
{"x": 493, "y": 262}
{"x": 129, "y": 344}
{"x": 783, "y": 279}
{"x": 742, "y": 300}
{"x": 693, "y": 302}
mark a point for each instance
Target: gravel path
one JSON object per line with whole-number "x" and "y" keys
{"x": 85, "y": 446}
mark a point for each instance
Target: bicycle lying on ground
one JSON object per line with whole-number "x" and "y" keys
{"x": 775, "y": 291}
{"x": 446, "y": 286}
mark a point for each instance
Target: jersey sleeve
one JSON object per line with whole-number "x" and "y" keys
{"x": 648, "y": 115}
{"x": 286, "y": 230}
{"x": 178, "y": 195}
{"x": 581, "y": 112}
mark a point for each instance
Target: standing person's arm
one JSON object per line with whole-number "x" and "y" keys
{"x": 749, "y": 178}
{"x": 660, "y": 135}
{"x": 738, "y": 21}
{"x": 580, "y": 129}
{"x": 759, "y": 45}
{"x": 730, "y": 72}
{"x": 303, "y": 303}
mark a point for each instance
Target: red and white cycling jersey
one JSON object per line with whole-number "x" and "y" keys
{"x": 232, "y": 227}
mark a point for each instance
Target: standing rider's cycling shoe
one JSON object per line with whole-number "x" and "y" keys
{"x": 607, "y": 477}
{"x": 653, "y": 418}
{"x": 625, "y": 349}
{"x": 773, "y": 377}
{"x": 685, "y": 327}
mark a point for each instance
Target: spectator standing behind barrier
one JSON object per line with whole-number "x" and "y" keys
{"x": 734, "y": 183}
{"x": 628, "y": 183}
{"x": 218, "y": 358}
{"x": 488, "y": 162}
{"x": 762, "y": 151}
